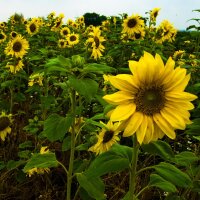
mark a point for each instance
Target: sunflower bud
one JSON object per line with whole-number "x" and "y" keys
{"x": 78, "y": 61}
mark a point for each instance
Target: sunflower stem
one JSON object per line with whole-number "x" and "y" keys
{"x": 11, "y": 99}
{"x": 133, "y": 169}
{"x": 71, "y": 161}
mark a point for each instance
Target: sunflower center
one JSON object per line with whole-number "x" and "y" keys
{"x": 73, "y": 38}
{"x": 1, "y": 36}
{"x": 14, "y": 34}
{"x": 150, "y": 100}
{"x": 32, "y": 28}
{"x": 155, "y": 14}
{"x": 4, "y": 123}
{"x": 65, "y": 32}
{"x": 96, "y": 40}
{"x": 62, "y": 43}
{"x": 17, "y": 46}
{"x": 137, "y": 35}
{"x": 108, "y": 136}
{"x": 132, "y": 23}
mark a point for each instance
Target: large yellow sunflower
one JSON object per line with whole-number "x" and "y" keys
{"x": 72, "y": 39}
{"x": 17, "y": 47}
{"x": 151, "y": 102}
{"x": 106, "y": 138}
{"x": 32, "y": 27}
{"x": 5, "y": 122}
{"x": 132, "y": 24}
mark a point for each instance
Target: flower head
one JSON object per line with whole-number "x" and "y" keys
{"x": 107, "y": 137}
{"x": 151, "y": 102}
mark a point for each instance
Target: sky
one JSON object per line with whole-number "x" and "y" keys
{"x": 178, "y": 12}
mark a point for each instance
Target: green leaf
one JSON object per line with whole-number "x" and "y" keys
{"x": 117, "y": 159}
{"x": 66, "y": 145}
{"x": 2, "y": 165}
{"x": 172, "y": 174}
{"x": 158, "y": 181}
{"x": 185, "y": 158}
{"x": 159, "y": 148}
{"x": 24, "y": 154}
{"x": 38, "y": 160}
{"x": 98, "y": 68}
{"x": 94, "y": 186}
{"x": 85, "y": 87}
{"x": 26, "y": 144}
{"x": 55, "y": 126}
{"x": 47, "y": 101}
{"x": 172, "y": 196}
{"x": 12, "y": 164}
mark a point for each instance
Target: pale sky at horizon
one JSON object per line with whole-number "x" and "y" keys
{"x": 178, "y": 12}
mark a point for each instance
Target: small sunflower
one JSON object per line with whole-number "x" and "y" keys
{"x": 15, "y": 68}
{"x": 73, "y": 39}
{"x": 5, "y": 122}
{"x": 154, "y": 14}
{"x": 2, "y": 37}
{"x": 62, "y": 43}
{"x": 36, "y": 78}
{"x": 132, "y": 24}
{"x": 37, "y": 170}
{"x": 151, "y": 102}
{"x": 13, "y": 34}
{"x": 65, "y": 31}
{"x": 32, "y": 27}
{"x": 17, "y": 47}
{"x": 106, "y": 138}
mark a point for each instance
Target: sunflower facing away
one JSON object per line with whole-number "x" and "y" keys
{"x": 15, "y": 68}
{"x": 106, "y": 138}
{"x": 151, "y": 102}
{"x": 5, "y": 122}
{"x": 154, "y": 14}
{"x": 36, "y": 170}
{"x": 17, "y": 47}
{"x": 132, "y": 24}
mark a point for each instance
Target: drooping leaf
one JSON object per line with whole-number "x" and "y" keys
{"x": 56, "y": 126}
{"x": 38, "y": 160}
{"x": 172, "y": 174}
{"x": 159, "y": 148}
{"x": 98, "y": 68}
{"x": 157, "y": 181}
{"x": 94, "y": 186}
{"x": 85, "y": 87}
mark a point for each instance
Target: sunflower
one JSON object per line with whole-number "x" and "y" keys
{"x": 36, "y": 78}
{"x": 36, "y": 170}
{"x": 62, "y": 43}
{"x": 15, "y": 68}
{"x": 65, "y": 31}
{"x": 72, "y": 39}
{"x": 13, "y": 34}
{"x": 106, "y": 138}
{"x": 154, "y": 14}
{"x": 152, "y": 101}
{"x": 132, "y": 24}
{"x": 2, "y": 37}
{"x": 32, "y": 27}
{"x": 17, "y": 47}
{"x": 5, "y": 122}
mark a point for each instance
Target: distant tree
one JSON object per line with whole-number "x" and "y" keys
{"x": 93, "y": 19}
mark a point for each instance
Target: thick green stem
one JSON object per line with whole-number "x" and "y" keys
{"x": 71, "y": 161}
{"x": 133, "y": 169}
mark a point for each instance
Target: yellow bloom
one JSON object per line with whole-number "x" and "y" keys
{"x": 106, "y": 138}
{"x": 178, "y": 54}
{"x": 132, "y": 24}
{"x": 2, "y": 37}
{"x": 62, "y": 43}
{"x": 5, "y": 122}
{"x": 154, "y": 14}
{"x": 64, "y": 31}
{"x": 73, "y": 39}
{"x": 17, "y": 47}
{"x": 15, "y": 68}
{"x": 36, "y": 170}
{"x": 36, "y": 78}
{"x": 32, "y": 27}
{"x": 152, "y": 101}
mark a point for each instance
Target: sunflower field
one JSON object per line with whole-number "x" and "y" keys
{"x": 99, "y": 107}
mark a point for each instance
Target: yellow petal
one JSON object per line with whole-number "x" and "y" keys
{"x": 133, "y": 124}
{"x": 164, "y": 125}
{"x": 120, "y": 97}
{"x": 123, "y": 82}
{"x": 141, "y": 131}
{"x": 173, "y": 118}
{"x": 150, "y": 131}
{"x": 180, "y": 96}
{"x": 123, "y": 112}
